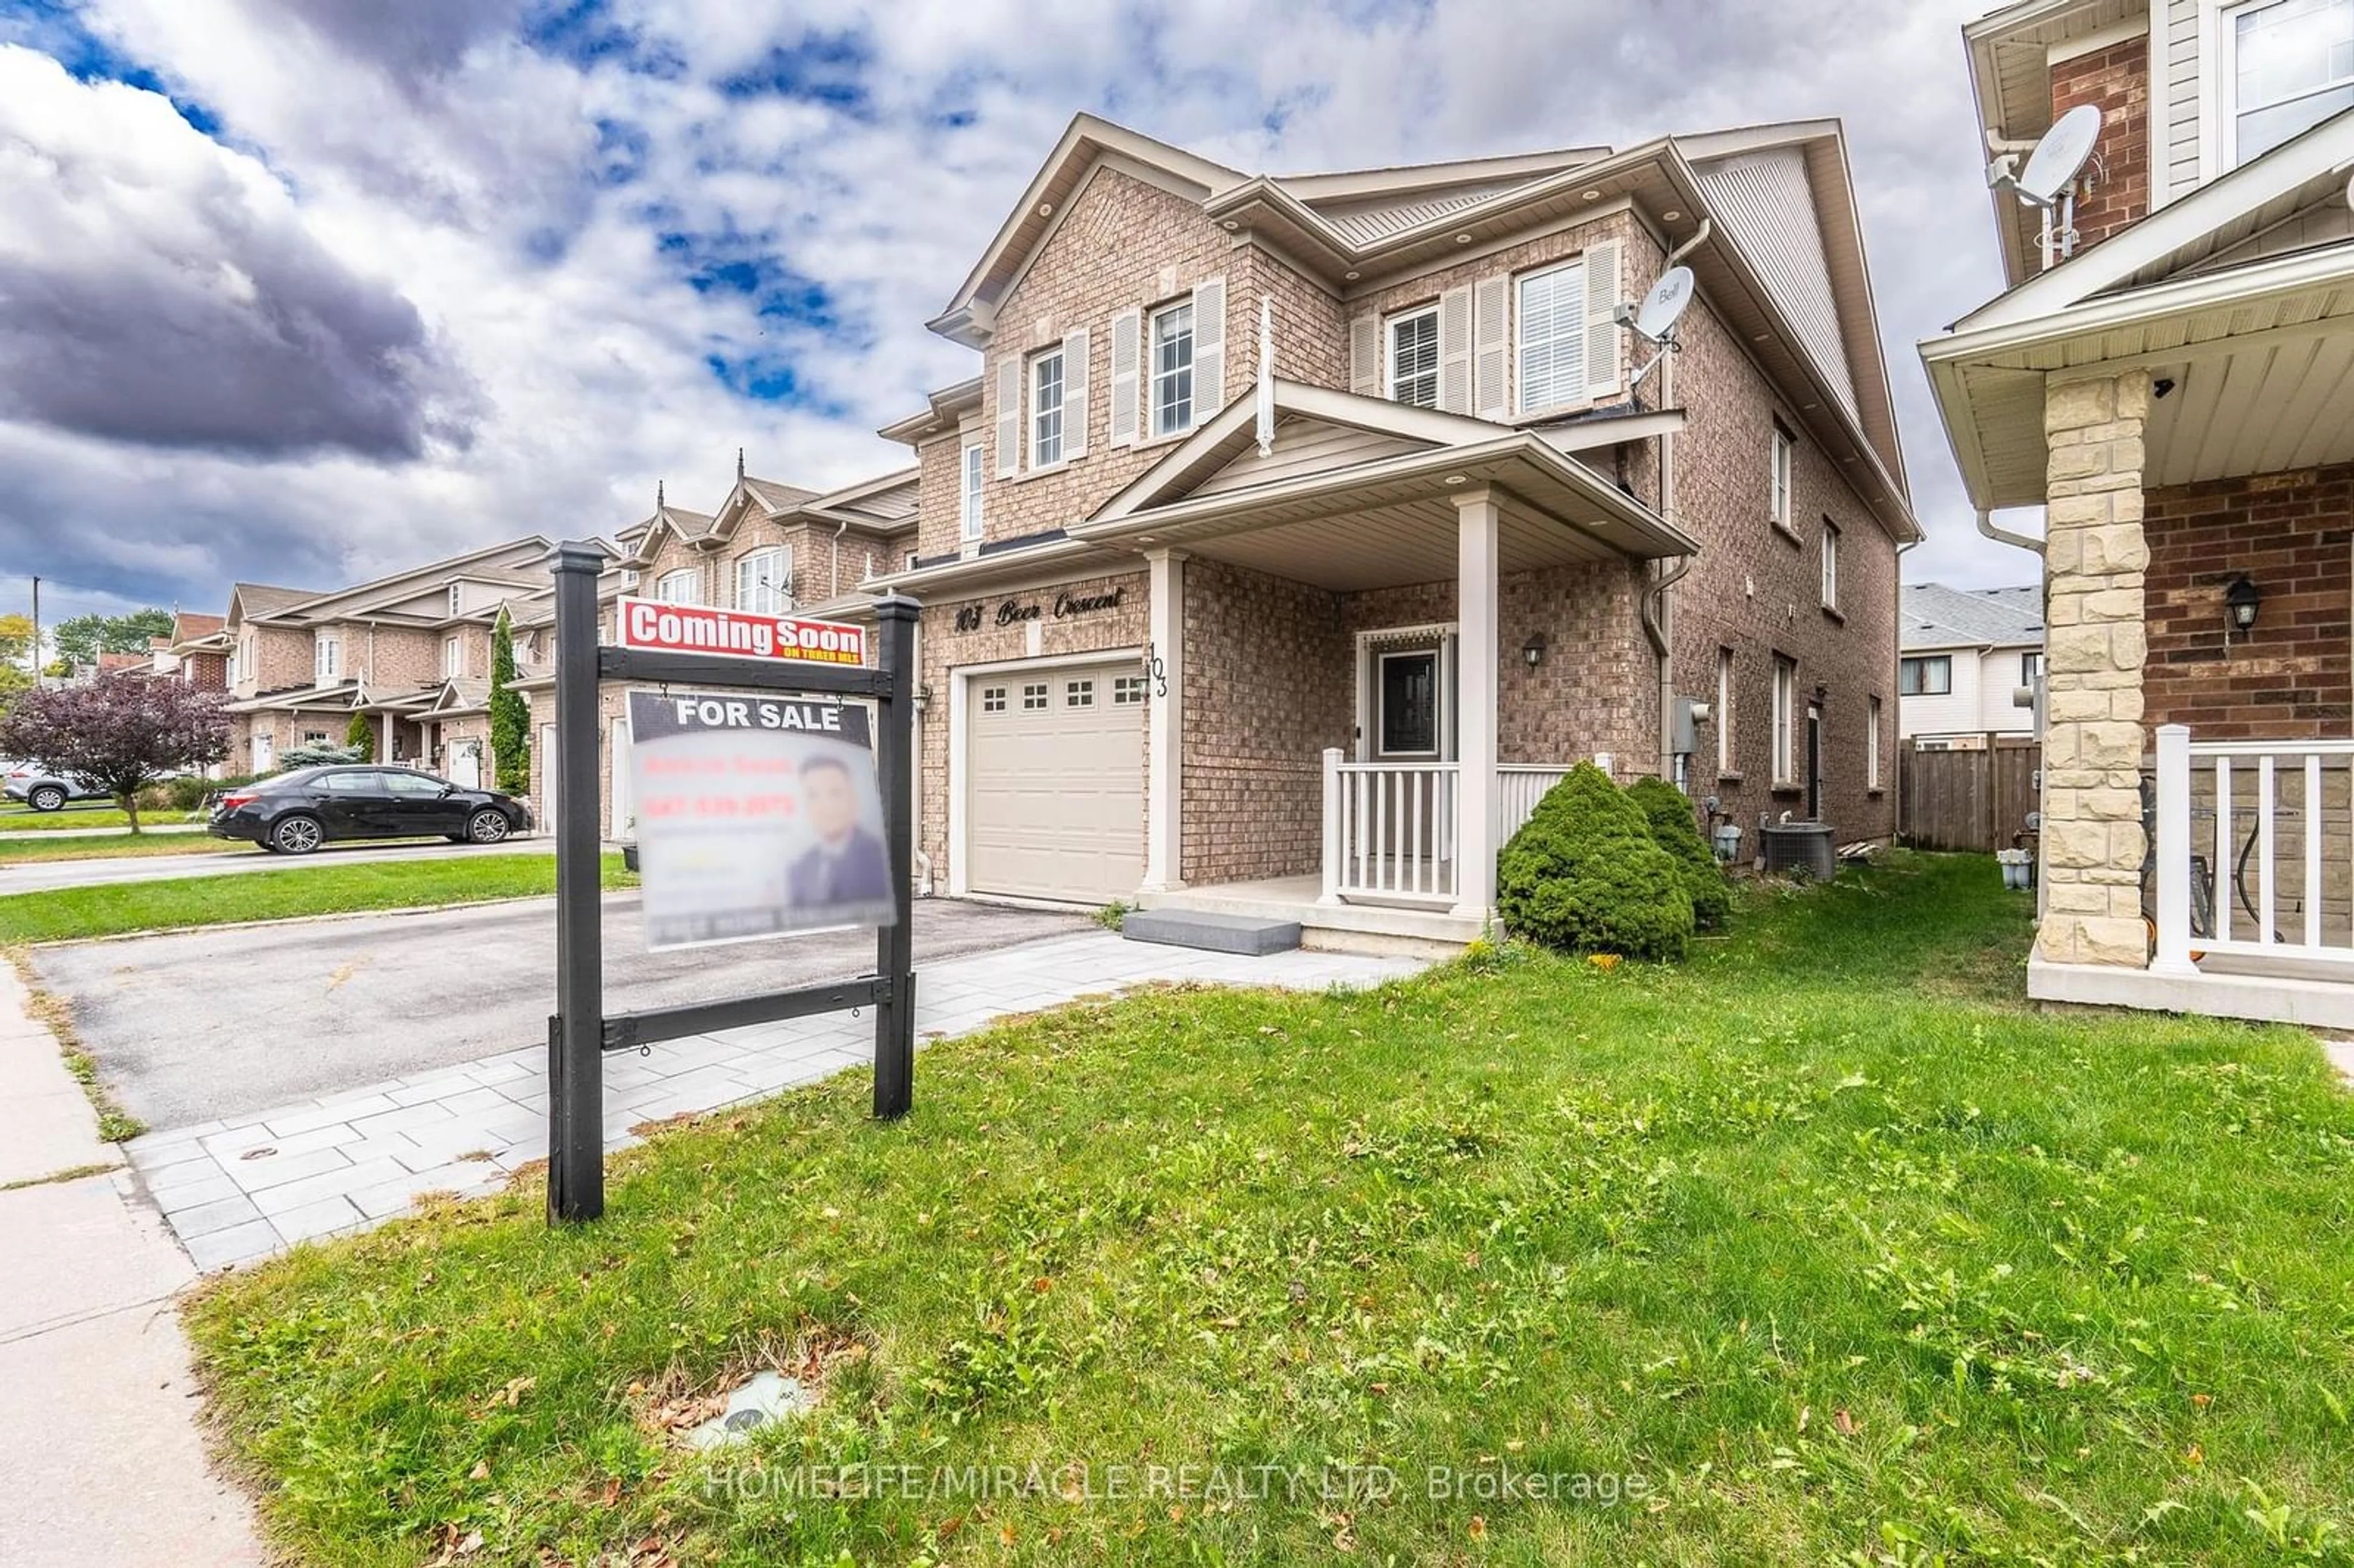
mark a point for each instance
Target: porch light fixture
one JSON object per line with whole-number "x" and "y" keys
{"x": 1669, "y": 215}
{"x": 1533, "y": 649}
{"x": 2240, "y": 602}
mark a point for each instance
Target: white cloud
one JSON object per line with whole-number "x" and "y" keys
{"x": 447, "y": 160}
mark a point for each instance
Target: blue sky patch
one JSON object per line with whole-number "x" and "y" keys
{"x": 826, "y": 69}
{"x": 58, "y": 29}
{"x": 584, "y": 33}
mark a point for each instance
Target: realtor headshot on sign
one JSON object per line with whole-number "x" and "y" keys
{"x": 846, "y": 865}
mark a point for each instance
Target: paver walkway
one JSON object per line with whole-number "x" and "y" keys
{"x": 238, "y": 1190}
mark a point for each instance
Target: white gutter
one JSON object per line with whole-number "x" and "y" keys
{"x": 2004, "y": 536}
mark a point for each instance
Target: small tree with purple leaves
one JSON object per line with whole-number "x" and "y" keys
{"x": 119, "y": 736}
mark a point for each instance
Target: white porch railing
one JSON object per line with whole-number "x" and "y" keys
{"x": 1519, "y": 787}
{"x": 1389, "y": 831}
{"x": 2255, "y": 850}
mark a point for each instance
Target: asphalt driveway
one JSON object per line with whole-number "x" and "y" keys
{"x": 207, "y": 1024}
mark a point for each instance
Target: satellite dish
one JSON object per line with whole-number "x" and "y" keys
{"x": 2060, "y": 156}
{"x": 1664, "y": 306}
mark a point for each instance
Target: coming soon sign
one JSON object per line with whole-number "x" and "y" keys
{"x": 734, "y": 633}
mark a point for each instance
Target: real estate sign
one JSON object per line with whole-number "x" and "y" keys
{"x": 756, "y": 815}
{"x": 667, "y": 628}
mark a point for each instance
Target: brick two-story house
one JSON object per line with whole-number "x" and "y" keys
{"x": 2174, "y": 383}
{"x": 1296, "y": 533}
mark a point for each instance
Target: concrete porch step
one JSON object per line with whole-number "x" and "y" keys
{"x": 1253, "y": 935}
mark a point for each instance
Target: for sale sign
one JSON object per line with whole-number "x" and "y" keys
{"x": 737, "y": 633}
{"x": 755, "y": 816}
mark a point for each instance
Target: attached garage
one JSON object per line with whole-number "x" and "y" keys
{"x": 1054, "y": 780}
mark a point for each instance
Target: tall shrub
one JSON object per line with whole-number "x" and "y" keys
{"x": 510, "y": 715}
{"x": 360, "y": 735}
{"x": 1584, "y": 875}
{"x": 1674, "y": 830}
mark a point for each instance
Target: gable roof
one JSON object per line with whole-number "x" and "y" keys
{"x": 1785, "y": 265}
{"x": 1935, "y": 616}
{"x": 259, "y": 601}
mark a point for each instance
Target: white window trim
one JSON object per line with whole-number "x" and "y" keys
{"x": 1786, "y": 718}
{"x": 453, "y": 656}
{"x": 972, "y": 469}
{"x": 327, "y": 661}
{"x": 2219, "y": 109}
{"x": 1830, "y": 565}
{"x": 782, "y": 578}
{"x": 1032, "y": 415}
{"x": 1521, "y": 406}
{"x": 1154, "y": 429}
{"x": 1872, "y": 718}
{"x": 1728, "y": 670}
{"x": 1390, "y": 324}
{"x": 1782, "y": 481}
{"x": 690, "y": 575}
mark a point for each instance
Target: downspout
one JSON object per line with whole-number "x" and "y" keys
{"x": 1654, "y": 612}
{"x": 2004, "y": 536}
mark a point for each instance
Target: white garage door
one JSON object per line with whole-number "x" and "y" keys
{"x": 1055, "y": 782}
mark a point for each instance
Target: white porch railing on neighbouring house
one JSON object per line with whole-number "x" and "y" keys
{"x": 2255, "y": 851}
{"x": 1519, "y": 787}
{"x": 1389, "y": 831}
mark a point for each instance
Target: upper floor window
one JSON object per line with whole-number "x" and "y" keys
{"x": 1831, "y": 563}
{"x": 457, "y": 600}
{"x": 2291, "y": 66}
{"x": 969, "y": 476}
{"x": 241, "y": 664}
{"x": 683, "y": 586}
{"x": 327, "y": 660}
{"x": 1413, "y": 357}
{"x": 2030, "y": 669}
{"x": 453, "y": 658}
{"x": 1785, "y": 454}
{"x": 1550, "y": 351}
{"x": 1929, "y": 675}
{"x": 1872, "y": 743}
{"x": 1047, "y": 408}
{"x": 1173, "y": 369}
{"x": 764, "y": 581}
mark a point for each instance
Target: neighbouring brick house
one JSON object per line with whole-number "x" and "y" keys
{"x": 2174, "y": 390}
{"x": 410, "y": 653}
{"x": 769, "y": 548}
{"x": 1296, "y": 533}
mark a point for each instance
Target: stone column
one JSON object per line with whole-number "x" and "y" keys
{"x": 2095, "y": 641}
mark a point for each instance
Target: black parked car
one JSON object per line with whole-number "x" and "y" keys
{"x": 295, "y": 812}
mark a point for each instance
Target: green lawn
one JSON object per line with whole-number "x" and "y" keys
{"x": 110, "y": 846}
{"x": 25, "y": 819}
{"x": 74, "y": 913}
{"x": 1818, "y": 1249}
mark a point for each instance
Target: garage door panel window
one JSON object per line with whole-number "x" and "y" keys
{"x": 1033, "y": 698}
{"x": 1079, "y": 695}
{"x": 993, "y": 699}
{"x": 1127, "y": 689}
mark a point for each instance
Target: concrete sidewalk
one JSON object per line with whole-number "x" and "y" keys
{"x": 97, "y": 1436}
{"x": 235, "y": 1190}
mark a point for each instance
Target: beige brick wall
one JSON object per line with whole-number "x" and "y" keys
{"x": 282, "y": 660}
{"x": 388, "y": 658}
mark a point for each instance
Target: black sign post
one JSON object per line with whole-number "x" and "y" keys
{"x": 580, "y": 1033}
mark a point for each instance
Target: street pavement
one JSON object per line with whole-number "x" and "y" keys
{"x": 41, "y": 877}
{"x": 209, "y": 1025}
{"x": 98, "y": 1443}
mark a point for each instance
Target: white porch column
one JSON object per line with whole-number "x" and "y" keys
{"x": 1164, "y": 724}
{"x": 1477, "y": 540}
{"x": 1336, "y": 844}
{"x": 2173, "y": 852}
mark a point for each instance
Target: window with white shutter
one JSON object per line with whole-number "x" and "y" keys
{"x": 1126, "y": 352}
{"x": 1603, "y": 340}
{"x": 969, "y": 477}
{"x": 1550, "y": 345}
{"x": 1047, "y": 408}
{"x": 1209, "y": 348}
{"x": 1413, "y": 357}
{"x": 1365, "y": 355}
{"x": 1491, "y": 341}
{"x": 1454, "y": 350}
{"x": 1009, "y": 415}
{"x": 1173, "y": 369}
{"x": 1075, "y": 395}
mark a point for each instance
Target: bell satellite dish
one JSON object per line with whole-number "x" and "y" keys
{"x": 2060, "y": 156}
{"x": 1664, "y": 306}
{"x": 2048, "y": 181}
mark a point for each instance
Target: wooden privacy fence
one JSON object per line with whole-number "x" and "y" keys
{"x": 1977, "y": 800}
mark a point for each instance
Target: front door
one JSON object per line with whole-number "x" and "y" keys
{"x": 1405, "y": 705}
{"x": 1408, "y": 682}
{"x": 265, "y": 754}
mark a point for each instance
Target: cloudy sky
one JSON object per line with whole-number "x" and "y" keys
{"x": 299, "y": 290}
